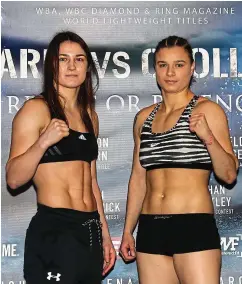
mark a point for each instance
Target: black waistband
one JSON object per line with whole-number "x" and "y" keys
{"x": 67, "y": 213}
{"x": 175, "y": 216}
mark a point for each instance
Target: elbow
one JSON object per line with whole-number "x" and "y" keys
{"x": 230, "y": 177}
{"x": 232, "y": 172}
{"x": 12, "y": 183}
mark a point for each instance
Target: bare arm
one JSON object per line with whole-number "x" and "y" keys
{"x": 217, "y": 139}
{"x": 137, "y": 183}
{"x": 108, "y": 249}
{"x": 27, "y": 146}
{"x": 136, "y": 195}
{"x": 95, "y": 187}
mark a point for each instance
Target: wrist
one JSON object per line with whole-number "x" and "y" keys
{"x": 209, "y": 139}
{"x": 106, "y": 237}
{"x": 42, "y": 143}
{"x": 127, "y": 232}
{"x": 105, "y": 232}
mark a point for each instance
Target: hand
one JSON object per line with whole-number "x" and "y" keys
{"x": 109, "y": 255}
{"x": 127, "y": 248}
{"x": 199, "y": 125}
{"x": 56, "y": 130}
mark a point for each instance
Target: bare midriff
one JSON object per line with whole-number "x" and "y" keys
{"x": 65, "y": 185}
{"x": 177, "y": 191}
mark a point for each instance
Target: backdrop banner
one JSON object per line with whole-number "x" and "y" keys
{"x": 122, "y": 37}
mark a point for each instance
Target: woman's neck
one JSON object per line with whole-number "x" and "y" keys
{"x": 68, "y": 97}
{"x": 173, "y": 101}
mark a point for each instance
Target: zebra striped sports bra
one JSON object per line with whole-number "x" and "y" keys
{"x": 177, "y": 147}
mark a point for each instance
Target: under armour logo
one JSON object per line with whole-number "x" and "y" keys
{"x": 82, "y": 137}
{"x": 57, "y": 277}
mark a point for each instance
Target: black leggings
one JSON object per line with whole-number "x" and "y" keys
{"x": 177, "y": 233}
{"x": 63, "y": 246}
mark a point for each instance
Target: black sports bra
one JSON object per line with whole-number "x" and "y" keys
{"x": 77, "y": 146}
{"x": 177, "y": 147}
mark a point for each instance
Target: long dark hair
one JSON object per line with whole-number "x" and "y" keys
{"x": 173, "y": 41}
{"x": 85, "y": 98}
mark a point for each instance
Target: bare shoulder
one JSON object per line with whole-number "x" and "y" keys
{"x": 33, "y": 111}
{"x": 209, "y": 108}
{"x": 36, "y": 104}
{"x": 143, "y": 114}
{"x": 94, "y": 116}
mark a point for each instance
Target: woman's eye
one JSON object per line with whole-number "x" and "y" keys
{"x": 179, "y": 65}
{"x": 80, "y": 59}
{"x": 162, "y": 65}
{"x": 63, "y": 59}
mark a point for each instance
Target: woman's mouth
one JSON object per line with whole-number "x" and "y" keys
{"x": 170, "y": 82}
{"x": 71, "y": 76}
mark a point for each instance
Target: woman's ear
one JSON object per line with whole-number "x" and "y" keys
{"x": 192, "y": 67}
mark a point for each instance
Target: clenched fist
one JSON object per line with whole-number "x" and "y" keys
{"x": 56, "y": 130}
{"x": 199, "y": 125}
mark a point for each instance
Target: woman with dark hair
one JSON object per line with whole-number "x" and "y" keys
{"x": 177, "y": 143}
{"x": 54, "y": 143}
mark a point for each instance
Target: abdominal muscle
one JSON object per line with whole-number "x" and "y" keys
{"x": 177, "y": 191}
{"x": 65, "y": 185}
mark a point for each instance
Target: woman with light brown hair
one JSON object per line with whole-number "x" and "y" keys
{"x": 178, "y": 142}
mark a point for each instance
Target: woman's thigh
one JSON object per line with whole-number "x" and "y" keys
{"x": 156, "y": 269}
{"x": 201, "y": 267}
